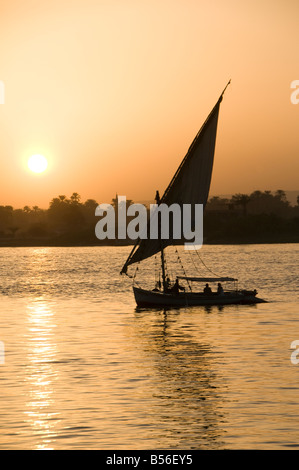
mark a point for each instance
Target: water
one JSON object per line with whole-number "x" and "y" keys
{"x": 84, "y": 369}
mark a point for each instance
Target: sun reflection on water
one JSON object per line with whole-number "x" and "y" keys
{"x": 41, "y": 373}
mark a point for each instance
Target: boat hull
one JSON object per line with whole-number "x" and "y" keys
{"x": 148, "y": 298}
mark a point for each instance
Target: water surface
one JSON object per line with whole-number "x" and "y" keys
{"x": 85, "y": 369}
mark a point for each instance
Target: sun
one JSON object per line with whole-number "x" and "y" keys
{"x": 37, "y": 163}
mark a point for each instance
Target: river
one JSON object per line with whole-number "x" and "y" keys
{"x": 82, "y": 368}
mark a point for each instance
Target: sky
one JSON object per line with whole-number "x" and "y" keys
{"x": 113, "y": 92}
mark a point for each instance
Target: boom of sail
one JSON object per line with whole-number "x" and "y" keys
{"x": 190, "y": 184}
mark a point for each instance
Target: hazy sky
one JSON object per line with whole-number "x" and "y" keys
{"x": 113, "y": 92}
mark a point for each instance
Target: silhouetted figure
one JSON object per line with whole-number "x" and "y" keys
{"x": 207, "y": 290}
{"x": 176, "y": 287}
{"x": 167, "y": 285}
{"x": 219, "y": 289}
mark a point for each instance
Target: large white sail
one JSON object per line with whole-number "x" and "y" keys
{"x": 190, "y": 184}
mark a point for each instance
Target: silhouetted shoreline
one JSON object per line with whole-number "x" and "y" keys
{"x": 258, "y": 218}
{"x": 51, "y": 243}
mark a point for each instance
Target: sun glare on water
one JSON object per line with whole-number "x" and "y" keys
{"x": 37, "y": 163}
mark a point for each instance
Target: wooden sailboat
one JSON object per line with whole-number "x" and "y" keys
{"x": 190, "y": 185}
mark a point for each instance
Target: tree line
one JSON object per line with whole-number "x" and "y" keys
{"x": 243, "y": 218}
{"x": 66, "y": 220}
{"x": 257, "y": 202}
{"x": 260, "y": 217}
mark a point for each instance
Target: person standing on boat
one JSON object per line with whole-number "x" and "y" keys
{"x": 207, "y": 290}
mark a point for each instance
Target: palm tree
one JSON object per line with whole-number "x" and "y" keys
{"x": 241, "y": 200}
{"x": 75, "y": 198}
{"x": 281, "y": 195}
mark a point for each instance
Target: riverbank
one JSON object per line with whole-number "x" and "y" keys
{"x": 51, "y": 243}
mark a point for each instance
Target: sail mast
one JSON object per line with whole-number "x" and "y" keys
{"x": 158, "y": 202}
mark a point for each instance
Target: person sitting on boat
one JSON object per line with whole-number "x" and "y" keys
{"x": 207, "y": 290}
{"x": 176, "y": 287}
{"x": 219, "y": 289}
{"x": 167, "y": 285}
